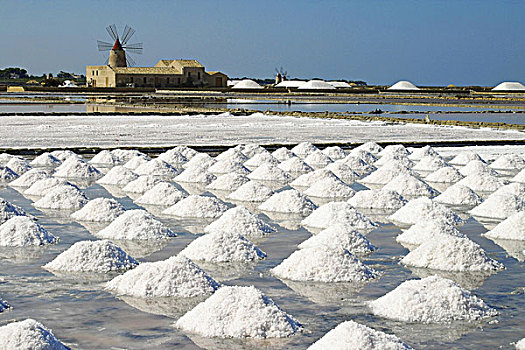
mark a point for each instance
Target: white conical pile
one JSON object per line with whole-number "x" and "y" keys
{"x": 228, "y": 182}
{"x": 404, "y": 86}
{"x": 195, "y": 206}
{"x": 308, "y": 179}
{"x": 386, "y": 173}
{"x": 420, "y": 153}
{"x": 499, "y": 206}
{"x": 260, "y": 159}
{"x": 136, "y": 161}
{"x": 477, "y": 167}
{"x": 330, "y": 188}
{"x": 252, "y": 149}
{"x": 118, "y": 176}
{"x": 269, "y": 172}
{"x": 337, "y": 213}
{"x": 22, "y": 231}
{"x": 371, "y": 147}
{"x": 409, "y": 185}
{"x": 142, "y": 184}
{"x": 521, "y": 344}
{"x": 343, "y": 171}
{"x": 157, "y": 167}
{"x": 318, "y": 159}
{"x": 516, "y": 189}
{"x": 173, "y": 157}
{"x": 62, "y": 197}
{"x": 136, "y": 224}
{"x": 41, "y": 187}
{"x": 29, "y": 178}
{"x": 430, "y": 163}
{"x": 163, "y": 193}
{"x": 45, "y": 160}
{"x": 225, "y": 166}
{"x": 64, "y": 154}
{"x": 288, "y": 201}
{"x": 8, "y": 210}
{"x": 427, "y": 230}
{"x": 358, "y": 165}
{"x": 186, "y": 151}
{"x": 104, "y": 157}
{"x": 18, "y": 165}
{"x": 422, "y": 209}
{"x": 483, "y": 182}
{"x": 251, "y": 191}
{"x": 520, "y": 177}
{"x": 512, "y": 228}
{"x": 233, "y": 155}
{"x": 431, "y": 300}
{"x": 73, "y": 167}
{"x": 99, "y": 210}
{"x": 464, "y": 158}
{"x": 398, "y": 150}
{"x": 396, "y": 158}
{"x": 295, "y": 165}
{"x": 196, "y": 175}
{"x": 239, "y": 220}
{"x": 201, "y": 160}
{"x": 335, "y": 152}
{"x": 340, "y": 236}
{"x": 5, "y": 158}
{"x": 6, "y": 174}
{"x": 304, "y": 149}
{"x": 508, "y": 162}
{"x": 377, "y": 199}
{"x": 283, "y": 154}
{"x": 28, "y": 335}
{"x": 366, "y": 156}
{"x": 444, "y": 175}
{"x": 124, "y": 155}
{"x": 459, "y": 195}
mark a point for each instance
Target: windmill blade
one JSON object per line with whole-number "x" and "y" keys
{"x": 131, "y": 62}
{"x": 134, "y": 48}
{"x": 104, "y": 46}
{"x": 112, "y": 31}
{"x": 106, "y": 61}
{"x": 127, "y": 34}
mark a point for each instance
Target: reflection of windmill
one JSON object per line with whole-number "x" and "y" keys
{"x": 119, "y": 52}
{"x": 281, "y": 75}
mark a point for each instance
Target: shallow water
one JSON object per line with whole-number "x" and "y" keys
{"x": 82, "y": 314}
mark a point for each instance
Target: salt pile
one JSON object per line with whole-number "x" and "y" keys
{"x": 403, "y": 85}
{"x": 516, "y": 189}
{"x": 228, "y": 182}
{"x": 196, "y": 175}
{"x": 335, "y": 152}
{"x": 451, "y": 253}
{"x": 173, "y": 157}
{"x": 62, "y": 197}
{"x": 197, "y": 207}
{"x": 99, "y": 210}
{"x": 157, "y": 167}
{"x": 45, "y": 160}
{"x": 136, "y": 224}
{"x": 63, "y": 154}
{"x": 288, "y": 201}
{"x": 337, "y": 213}
{"x": 465, "y": 157}
{"x": 73, "y": 167}
{"x": 239, "y": 312}
{"x": 22, "y": 231}
{"x": 136, "y": 161}
{"x": 483, "y": 182}
{"x": 240, "y": 221}
{"x": 307, "y": 180}
{"x": 251, "y": 191}
{"x": 343, "y": 171}
{"x": 233, "y": 155}
{"x": 394, "y": 150}
{"x": 252, "y": 149}
{"x": 92, "y": 256}
{"x": 6, "y": 174}
{"x": 261, "y": 158}
{"x": 507, "y": 162}
{"x": 104, "y": 157}
{"x": 377, "y": 199}
{"x": 367, "y": 157}
{"x": 29, "y": 335}
{"x": 18, "y": 165}
{"x": 352, "y": 335}
{"x": 340, "y": 236}
{"x": 142, "y": 184}
{"x": 386, "y": 173}
{"x": 444, "y": 175}
{"x": 177, "y": 276}
{"x": 430, "y": 163}
{"x": 186, "y": 151}
{"x": 221, "y": 247}
{"x": 5, "y": 158}
{"x": 29, "y": 178}
{"x": 118, "y": 176}
{"x": 459, "y": 195}
{"x": 512, "y": 228}
{"x": 330, "y": 188}
{"x": 431, "y": 300}
{"x": 295, "y": 165}
{"x": 396, "y": 158}
{"x": 41, "y": 187}
{"x": 424, "y": 208}
{"x": 419, "y": 153}
{"x": 358, "y": 165}
{"x": 269, "y": 172}
{"x": 163, "y": 193}
{"x": 370, "y": 146}
{"x": 318, "y": 159}
{"x": 124, "y": 155}
{"x": 201, "y": 160}
{"x": 228, "y": 166}
{"x": 477, "y": 167}
{"x": 499, "y": 206}
{"x": 409, "y": 185}
{"x": 8, "y": 210}
{"x": 304, "y": 149}
{"x": 520, "y": 177}
{"x": 283, "y": 154}
{"x": 521, "y": 344}
{"x": 324, "y": 264}
{"x": 427, "y": 230}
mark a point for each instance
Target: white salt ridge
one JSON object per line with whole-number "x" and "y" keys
{"x": 304, "y": 149}
{"x": 444, "y": 175}
{"x": 163, "y": 193}
{"x": 430, "y": 163}
{"x": 195, "y": 175}
{"x": 477, "y": 167}
{"x": 177, "y": 276}
{"x": 104, "y": 157}
{"x": 92, "y": 256}
{"x": 377, "y": 199}
{"x": 395, "y": 158}
{"x": 427, "y": 230}
{"x": 308, "y": 179}
{"x": 228, "y": 182}
{"x": 409, "y": 185}
{"x": 240, "y": 221}
{"x": 499, "y": 206}
{"x": 451, "y": 253}
{"x": 371, "y": 147}
{"x": 29, "y": 178}
{"x": 18, "y": 165}
{"x": 260, "y": 159}
{"x": 283, "y": 154}
{"x": 28, "y": 335}
{"x": 124, "y": 155}
{"x": 62, "y": 197}
{"x": 343, "y": 171}
{"x": 8, "y": 210}
{"x": 351, "y": 335}
{"x": 195, "y": 206}
{"x": 335, "y": 152}
{"x": 269, "y": 172}
{"x": 423, "y": 208}
{"x": 239, "y": 312}
{"x": 367, "y": 157}
{"x": 323, "y": 264}
{"x": 419, "y": 153}
{"x": 519, "y": 177}
{"x": 288, "y": 201}
{"x": 64, "y": 154}
{"x": 73, "y": 167}
{"x": 45, "y": 160}
{"x": 22, "y": 231}
{"x": 508, "y": 162}
{"x": 330, "y": 188}
{"x": 512, "y": 228}
{"x": 252, "y": 149}
{"x": 142, "y": 184}
{"x": 483, "y": 182}
{"x": 186, "y": 151}
{"x": 222, "y": 247}
{"x": 251, "y": 191}
{"x": 459, "y": 195}
{"x": 118, "y": 176}
{"x": 398, "y": 150}
{"x": 99, "y": 210}
{"x": 228, "y": 166}
{"x": 173, "y": 157}
{"x": 6, "y": 157}
{"x": 521, "y": 344}
{"x": 386, "y": 173}
{"x": 358, "y": 165}
{"x": 464, "y": 158}
{"x": 136, "y": 161}
{"x": 431, "y": 300}
{"x": 41, "y": 187}
{"x": 233, "y": 155}
{"x": 295, "y": 165}
{"x": 516, "y": 189}
{"x": 157, "y": 167}
{"x": 318, "y": 159}
{"x": 201, "y": 160}
{"x": 337, "y": 213}
{"x": 340, "y": 236}
{"x": 136, "y": 224}
{"x": 6, "y": 174}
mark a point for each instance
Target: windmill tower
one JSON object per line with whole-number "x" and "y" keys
{"x": 120, "y": 50}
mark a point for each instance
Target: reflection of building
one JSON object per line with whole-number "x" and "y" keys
{"x": 165, "y": 74}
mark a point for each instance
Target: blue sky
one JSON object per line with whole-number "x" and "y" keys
{"x": 429, "y": 42}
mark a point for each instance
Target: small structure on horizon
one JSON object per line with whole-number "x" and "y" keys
{"x": 403, "y": 85}
{"x": 510, "y": 86}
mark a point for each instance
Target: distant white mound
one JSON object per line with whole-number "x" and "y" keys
{"x": 464, "y": 158}
{"x": 92, "y": 256}
{"x": 173, "y": 157}
{"x": 444, "y": 175}
{"x": 357, "y": 164}
{"x": 323, "y": 264}
{"x": 228, "y": 182}
{"x": 125, "y": 155}
{"x": 136, "y": 224}
{"x": 499, "y": 206}
{"x": 30, "y": 335}
{"x": 18, "y": 165}
{"x": 394, "y": 150}
{"x": 521, "y": 344}
{"x": 288, "y": 201}
{"x": 118, "y": 176}
{"x": 424, "y": 209}
{"x": 335, "y": 152}
{"x": 99, "y": 210}
{"x": 247, "y": 84}
{"x": 316, "y": 85}
{"x": 483, "y": 182}
{"x": 512, "y": 228}
{"x": 195, "y": 206}
{"x": 337, "y": 213}
{"x": 8, "y": 210}
{"x": 142, "y": 184}
{"x": 408, "y": 185}
{"x": 339, "y": 84}
{"x": 304, "y": 149}
{"x": 62, "y": 197}
{"x": 307, "y": 180}
{"x": 477, "y": 167}
{"x": 318, "y": 159}
{"x": 6, "y": 174}
{"x": 29, "y": 178}
{"x": 234, "y": 155}
{"x": 427, "y": 230}
{"x": 430, "y": 163}
{"x": 251, "y": 149}
{"x": 240, "y": 221}
{"x": 400, "y": 159}
{"x": 330, "y": 188}
{"x": 370, "y": 146}
{"x": 340, "y": 236}
{"x": 517, "y": 189}
{"x": 509, "y": 86}
{"x": 177, "y": 276}
{"x": 163, "y": 193}
{"x": 269, "y": 172}
{"x": 45, "y": 160}
{"x": 290, "y": 83}
{"x": 283, "y": 153}
{"x": 22, "y": 231}
{"x": 201, "y": 161}
{"x": 186, "y": 151}
{"x": 73, "y": 167}
{"x": 386, "y": 173}
{"x": 459, "y": 195}
{"x": 104, "y": 157}
{"x": 260, "y": 159}
{"x": 431, "y": 300}
{"x": 136, "y": 161}
{"x": 361, "y": 153}
{"x": 195, "y": 175}
{"x": 419, "y": 153}
{"x": 403, "y": 85}
{"x": 64, "y": 154}
{"x": 508, "y": 162}
{"x": 157, "y": 167}
{"x": 41, "y": 187}
{"x": 352, "y": 335}
{"x": 520, "y": 177}
{"x": 239, "y": 312}
{"x": 251, "y": 191}
{"x": 6, "y": 157}
{"x": 343, "y": 171}
{"x": 225, "y": 166}
{"x": 377, "y": 199}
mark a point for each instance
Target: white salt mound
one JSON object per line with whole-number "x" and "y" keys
{"x": 269, "y": 172}
{"x": 427, "y": 230}
{"x": 92, "y": 256}
{"x": 459, "y": 195}
{"x": 6, "y": 174}
{"x": 430, "y": 163}
{"x": 252, "y": 149}
{"x": 118, "y": 176}
{"x": 351, "y": 335}
{"x": 508, "y": 162}
{"x": 163, "y": 193}
{"x": 295, "y": 165}
{"x": 177, "y": 276}
{"x": 318, "y": 159}
{"x": 477, "y": 167}
{"x": 76, "y": 168}
{"x": 307, "y": 180}
{"x": 424, "y": 208}
{"x": 357, "y": 164}
{"x": 136, "y": 224}
{"x": 395, "y": 158}
{"x": 444, "y": 175}
{"x": 431, "y": 300}
{"x": 142, "y": 184}
{"x": 195, "y": 175}
{"x": 251, "y": 191}
{"x": 239, "y": 312}
{"x": 335, "y": 152}
{"x": 195, "y": 206}
{"x": 304, "y": 149}
{"x": 377, "y": 199}
{"x": 63, "y": 154}
{"x": 29, "y": 178}
{"x": 136, "y": 161}
{"x": 499, "y": 206}
{"x": 521, "y": 344}
{"x": 512, "y": 227}
{"x": 419, "y": 153}
{"x": 5, "y": 158}
{"x": 125, "y": 155}
{"x": 233, "y": 155}
{"x": 157, "y": 167}
{"x": 62, "y": 197}
{"x": 520, "y": 177}
{"x": 41, "y": 187}
{"x": 483, "y": 182}
{"x": 409, "y": 185}
{"x": 260, "y": 159}
{"x": 451, "y": 253}
{"x": 465, "y": 157}
{"x": 516, "y": 189}
{"x": 28, "y": 335}
{"x": 288, "y": 201}
{"x": 202, "y": 160}
{"x": 8, "y": 210}
{"x": 104, "y": 157}
{"x": 367, "y": 157}
{"x": 228, "y": 182}
{"x": 225, "y": 166}
{"x": 99, "y": 210}
{"x": 330, "y": 188}
{"x": 343, "y": 171}
{"x": 173, "y": 157}
{"x": 386, "y": 173}
{"x": 18, "y": 165}
{"x": 398, "y": 150}
{"x": 337, "y": 213}
{"x": 22, "y": 231}
{"x": 240, "y": 221}
{"x": 340, "y": 236}
{"x": 324, "y": 264}
{"x": 45, "y": 160}
{"x": 371, "y": 147}
{"x": 186, "y": 151}
{"x": 283, "y": 154}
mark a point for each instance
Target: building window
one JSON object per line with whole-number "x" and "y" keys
{"x": 199, "y": 75}
{"x": 178, "y": 81}
{"x": 145, "y": 81}
{"x": 167, "y": 81}
{"x": 189, "y": 74}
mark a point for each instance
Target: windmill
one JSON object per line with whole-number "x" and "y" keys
{"x": 281, "y": 75}
{"x": 119, "y": 52}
